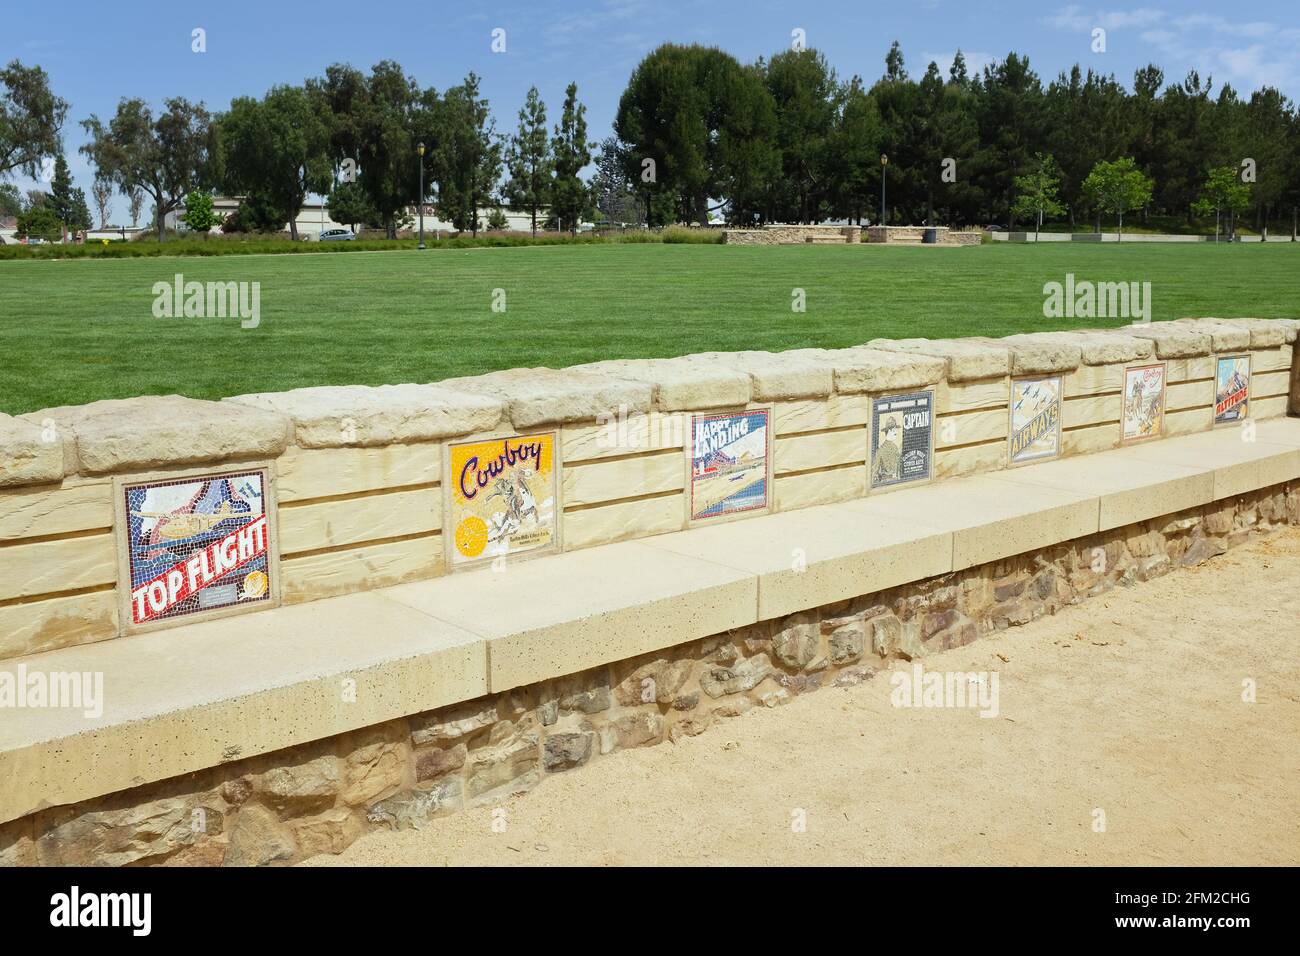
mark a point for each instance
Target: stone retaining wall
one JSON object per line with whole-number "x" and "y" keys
{"x": 781, "y": 235}
{"x": 912, "y": 235}
{"x": 318, "y": 798}
{"x": 356, "y": 473}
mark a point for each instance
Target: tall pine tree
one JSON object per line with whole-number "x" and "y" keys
{"x": 570, "y": 198}
{"x": 528, "y": 159}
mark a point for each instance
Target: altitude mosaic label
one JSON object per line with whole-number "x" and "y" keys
{"x": 197, "y": 544}
{"x": 1144, "y": 402}
{"x": 729, "y": 463}
{"x": 1231, "y": 389}
{"x": 1035, "y": 430}
{"x": 502, "y": 497}
{"x": 901, "y": 438}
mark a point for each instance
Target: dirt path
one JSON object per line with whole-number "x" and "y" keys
{"x": 1129, "y": 704}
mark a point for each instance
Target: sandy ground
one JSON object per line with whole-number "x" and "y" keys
{"x": 1129, "y": 704}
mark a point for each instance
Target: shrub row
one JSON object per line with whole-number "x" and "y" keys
{"x": 275, "y": 246}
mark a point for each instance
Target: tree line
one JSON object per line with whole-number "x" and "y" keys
{"x": 697, "y": 133}
{"x": 360, "y": 138}
{"x": 786, "y": 140}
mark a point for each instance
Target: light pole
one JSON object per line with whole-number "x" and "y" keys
{"x": 421, "y": 151}
{"x": 884, "y": 168}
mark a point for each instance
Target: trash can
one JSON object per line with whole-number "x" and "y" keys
{"x": 930, "y": 237}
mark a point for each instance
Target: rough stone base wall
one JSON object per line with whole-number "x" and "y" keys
{"x": 320, "y": 797}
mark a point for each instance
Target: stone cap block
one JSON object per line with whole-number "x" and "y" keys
{"x": 1290, "y": 328}
{"x": 1264, "y": 333}
{"x": 679, "y": 385}
{"x": 864, "y": 369}
{"x": 544, "y": 396}
{"x": 26, "y": 458}
{"x": 1036, "y": 352}
{"x": 1171, "y": 340}
{"x": 774, "y": 376}
{"x": 1226, "y": 336}
{"x": 365, "y": 416}
{"x": 968, "y": 359}
{"x": 1104, "y": 348}
{"x": 132, "y": 434}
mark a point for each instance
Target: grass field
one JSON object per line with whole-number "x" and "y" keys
{"x": 76, "y": 331}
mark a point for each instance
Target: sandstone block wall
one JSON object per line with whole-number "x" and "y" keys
{"x": 285, "y": 806}
{"x": 358, "y": 471}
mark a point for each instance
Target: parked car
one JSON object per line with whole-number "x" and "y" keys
{"x": 338, "y": 235}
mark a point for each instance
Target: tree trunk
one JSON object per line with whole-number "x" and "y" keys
{"x": 159, "y": 219}
{"x": 293, "y": 228}
{"x": 534, "y": 222}
{"x": 390, "y": 226}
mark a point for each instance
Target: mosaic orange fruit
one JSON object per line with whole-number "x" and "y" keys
{"x": 471, "y": 536}
{"x": 254, "y": 584}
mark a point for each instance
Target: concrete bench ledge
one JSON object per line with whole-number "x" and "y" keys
{"x": 193, "y": 697}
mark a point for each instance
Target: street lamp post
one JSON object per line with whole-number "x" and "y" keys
{"x": 421, "y": 151}
{"x": 884, "y": 168}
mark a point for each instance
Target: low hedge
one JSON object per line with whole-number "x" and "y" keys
{"x": 150, "y": 248}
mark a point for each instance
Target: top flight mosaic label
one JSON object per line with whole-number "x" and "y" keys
{"x": 502, "y": 499}
{"x": 197, "y": 544}
{"x": 729, "y": 454}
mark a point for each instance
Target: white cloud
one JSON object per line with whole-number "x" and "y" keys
{"x": 1255, "y": 66}
{"x": 1074, "y": 19}
{"x": 1209, "y": 43}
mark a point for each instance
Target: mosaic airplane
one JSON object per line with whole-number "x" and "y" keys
{"x": 175, "y": 527}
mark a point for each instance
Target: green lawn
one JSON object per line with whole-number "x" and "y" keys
{"x": 76, "y": 331}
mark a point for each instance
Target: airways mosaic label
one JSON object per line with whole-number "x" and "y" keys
{"x": 1035, "y": 431}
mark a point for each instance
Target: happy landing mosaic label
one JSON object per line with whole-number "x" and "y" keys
{"x": 728, "y": 462}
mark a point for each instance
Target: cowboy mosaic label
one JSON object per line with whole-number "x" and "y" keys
{"x": 729, "y": 463}
{"x": 1035, "y": 431}
{"x": 901, "y": 438}
{"x": 503, "y": 495}
{"x": 197, "y": 544}
{"x": 1231, "y": 389}
{"x": 1144, "y": 403}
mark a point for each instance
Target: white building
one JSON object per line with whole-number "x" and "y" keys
{"x": 314, "y": 218}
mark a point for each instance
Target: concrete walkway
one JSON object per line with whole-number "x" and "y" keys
{"x": 1130, "y": 705}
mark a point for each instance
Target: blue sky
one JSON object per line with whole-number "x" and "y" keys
{"x": 96, "y": 52}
